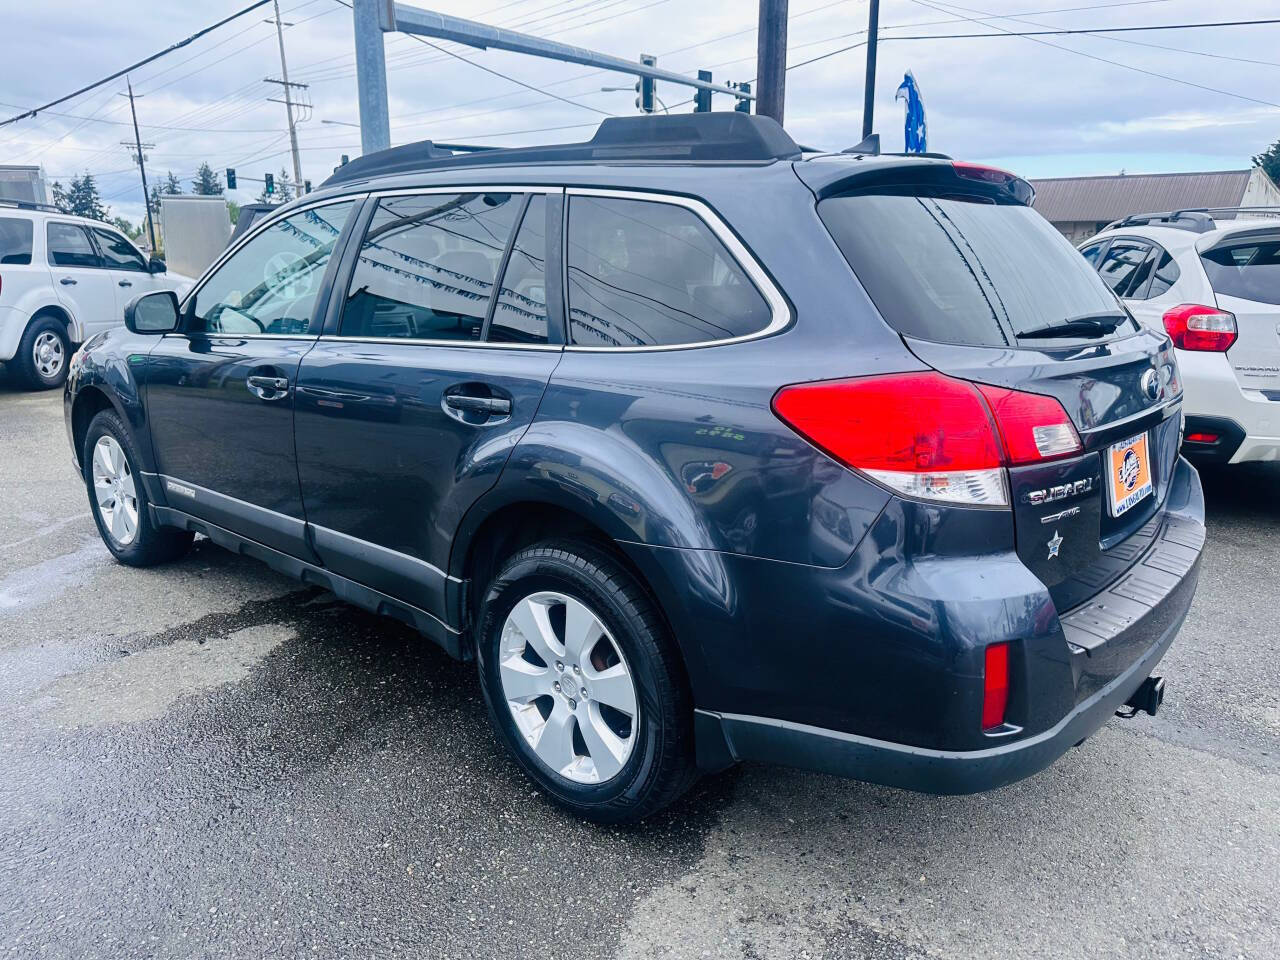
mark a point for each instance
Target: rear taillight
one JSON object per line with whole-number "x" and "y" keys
{"x": 1192, "y": 326}
{"x": 995, "y": 686}
{"x": 929, "y": 436}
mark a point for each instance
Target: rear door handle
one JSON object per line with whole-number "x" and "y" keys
{"x": 126, "y": 283}
{"x": 489, "y": 405}
{"x": 67, "y": 282}
{"x": 268, "y": 388}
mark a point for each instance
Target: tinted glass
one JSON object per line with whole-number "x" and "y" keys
{"x": 521, "y": 313}
{"x": 427, "y": 266}
{"x": 120, "y": 253}
{"x": 270, "y": 284}
{"x": 958, "y": 271}
{"x": 1092, "y": 252}
{"x": 1165, "y": 277}
{"x": 15, "y": 240}
{"x": 69, "y": 246}
{"x": 1121, "y": 268}
{"x": 643, "y": 273}
{"x": 1249, "y": 271}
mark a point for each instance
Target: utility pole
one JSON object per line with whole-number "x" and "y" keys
{"x": 869, "y": 92}
{"x": 288, "y": 98}
{"x": 771, "y": 58}
{"x": 142, "y": 165}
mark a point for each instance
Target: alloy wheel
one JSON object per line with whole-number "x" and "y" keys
{"x": 48, "y": 354}
{"x": 568, "y": 687}
{"x": 114, "y": 490}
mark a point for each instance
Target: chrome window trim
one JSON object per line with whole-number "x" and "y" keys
{"x": 778, "y": 306}
{"x": 253, "y": 231}
{"x": 467, "y": 188}
{"x": 413, "y": 341}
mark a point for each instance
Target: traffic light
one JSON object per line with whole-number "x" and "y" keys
{"x": 306, "y": 184}
{"x": 645, "y": 86}
{"x": 270, "y": 187}
{"x": 702, "y": 98}
{"x": 743, "y": 106}
{"x": 231, "y": 178}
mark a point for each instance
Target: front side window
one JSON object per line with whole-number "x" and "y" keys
{"x": 270, "y": 284}
{"x": 645, "y": 273}
{"x": 69, "y": 246}
{"x": 15, "y": 241}
{"x": 120, "y": 253}
{"x": 521, "y": 313}
{"x": 427, "y": 267}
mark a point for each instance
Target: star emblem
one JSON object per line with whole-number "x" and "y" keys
{"x": 1054, "y": 544}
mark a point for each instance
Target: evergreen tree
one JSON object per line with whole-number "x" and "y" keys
{"x": 173, "y": 186}
{"x": 83, "y": 199}
{"x": 127, "y": 228}
{"x": 1270, "y": 162}
{"x": 60, "y": 199}
{"x": 206, "y": 182}
{"x": 154, "y": 200}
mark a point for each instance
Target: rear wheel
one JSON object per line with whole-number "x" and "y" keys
{"x": 43, "y": 355}
{"x": 583, "y": 683}
{"x": 118, "y": 498}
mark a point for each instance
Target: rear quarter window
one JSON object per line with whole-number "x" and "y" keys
{"x": 963, "y": 270}
{"x": 1250, "y": 271}
{"x": 15, "y": 241}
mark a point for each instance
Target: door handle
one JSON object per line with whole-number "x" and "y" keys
{"x": 489, "y": 405}
{"x": 126, "y": 283}
{"x": 268, "y": 388}
{"x": 67, "y": 282}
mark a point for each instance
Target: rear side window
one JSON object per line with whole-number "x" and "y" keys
{"x": 644, "y": 273}
{"x": 1123, "y": 268}
{"x": 1249, "y": 271}
{"x": 955, "y": 270}
{"x": 69, "y": 246}
{"x": 15, "y": 241}
{"x": 427, "y": 266}
{"x": 1165, "y": 277}
{"x": 521, "y": 313}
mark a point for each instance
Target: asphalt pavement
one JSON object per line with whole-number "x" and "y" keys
{"x": 209, "y": 760}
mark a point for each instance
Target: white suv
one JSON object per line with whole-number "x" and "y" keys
{"x": 63, "y": 279}
{"x": 1214, "y": 286}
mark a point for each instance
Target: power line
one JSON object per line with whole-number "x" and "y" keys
{"x": 120, "y": 73}
{"x": 1084, "y": 30}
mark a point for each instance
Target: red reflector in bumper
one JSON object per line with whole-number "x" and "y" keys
{"x": 995, "y": 686}
{"x": 1202, "y": 438}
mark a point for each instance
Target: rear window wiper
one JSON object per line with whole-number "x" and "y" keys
{"x": 1087, "y": 325}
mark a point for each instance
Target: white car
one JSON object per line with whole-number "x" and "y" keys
{"x": 62, "y": 280}
{"x": 1214, "y": 286}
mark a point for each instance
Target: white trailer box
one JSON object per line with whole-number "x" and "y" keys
{"x": 195, "y": 230}
{"x": 22, "y": 182}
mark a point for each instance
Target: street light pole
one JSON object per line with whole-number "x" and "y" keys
{"x": 869, "y": 92}
{"x": 771, "y": 58}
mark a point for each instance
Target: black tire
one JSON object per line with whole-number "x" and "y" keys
{"x": 149, "y": 544}
{"x": 660, "y": 766}
{"x": 25, "y": 362}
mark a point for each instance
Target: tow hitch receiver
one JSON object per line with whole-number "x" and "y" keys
{"x": 1147, "y": 698}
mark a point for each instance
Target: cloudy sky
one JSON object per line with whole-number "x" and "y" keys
{"x": 1048, "y": 106}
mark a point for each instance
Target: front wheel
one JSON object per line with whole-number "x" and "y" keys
{"x": 584, "y": 684}
{"x": 118, "y": 498}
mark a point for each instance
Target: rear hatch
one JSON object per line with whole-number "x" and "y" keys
{"x": 983, "y": 289}
{"x": 1243, "y": 267}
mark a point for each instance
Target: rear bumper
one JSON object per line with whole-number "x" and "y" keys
{"x": 13, "y": 323}
{"x": 1213, "y": 395}
{"x": 1112, "y": 643}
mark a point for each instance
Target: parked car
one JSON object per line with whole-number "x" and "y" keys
{"x": 62, "y": 280}
{"x": 1213, "y": 284}
{"x": 705, "y": 449}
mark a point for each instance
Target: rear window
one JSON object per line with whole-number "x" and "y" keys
{"x": 1249, "y": 271}
{"x": 15, "y": 240}
{"x": 956, "y": 270}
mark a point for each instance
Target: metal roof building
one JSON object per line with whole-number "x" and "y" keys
{"x": 1081, "y": 206}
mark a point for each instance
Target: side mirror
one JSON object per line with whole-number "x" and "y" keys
{"x": 156, "y": 265}
{"x": 155, "y": 312}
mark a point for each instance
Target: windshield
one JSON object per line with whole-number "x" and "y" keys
{"x": 961, "y": 270}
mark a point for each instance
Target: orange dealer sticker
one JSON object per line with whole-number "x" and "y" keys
{"x": 1129, "y": 473}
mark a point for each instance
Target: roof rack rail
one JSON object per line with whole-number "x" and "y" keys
{"x": 1195, "y": 219}
{"x": 724, "y": 137}
{"x": 28, "y": 205}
